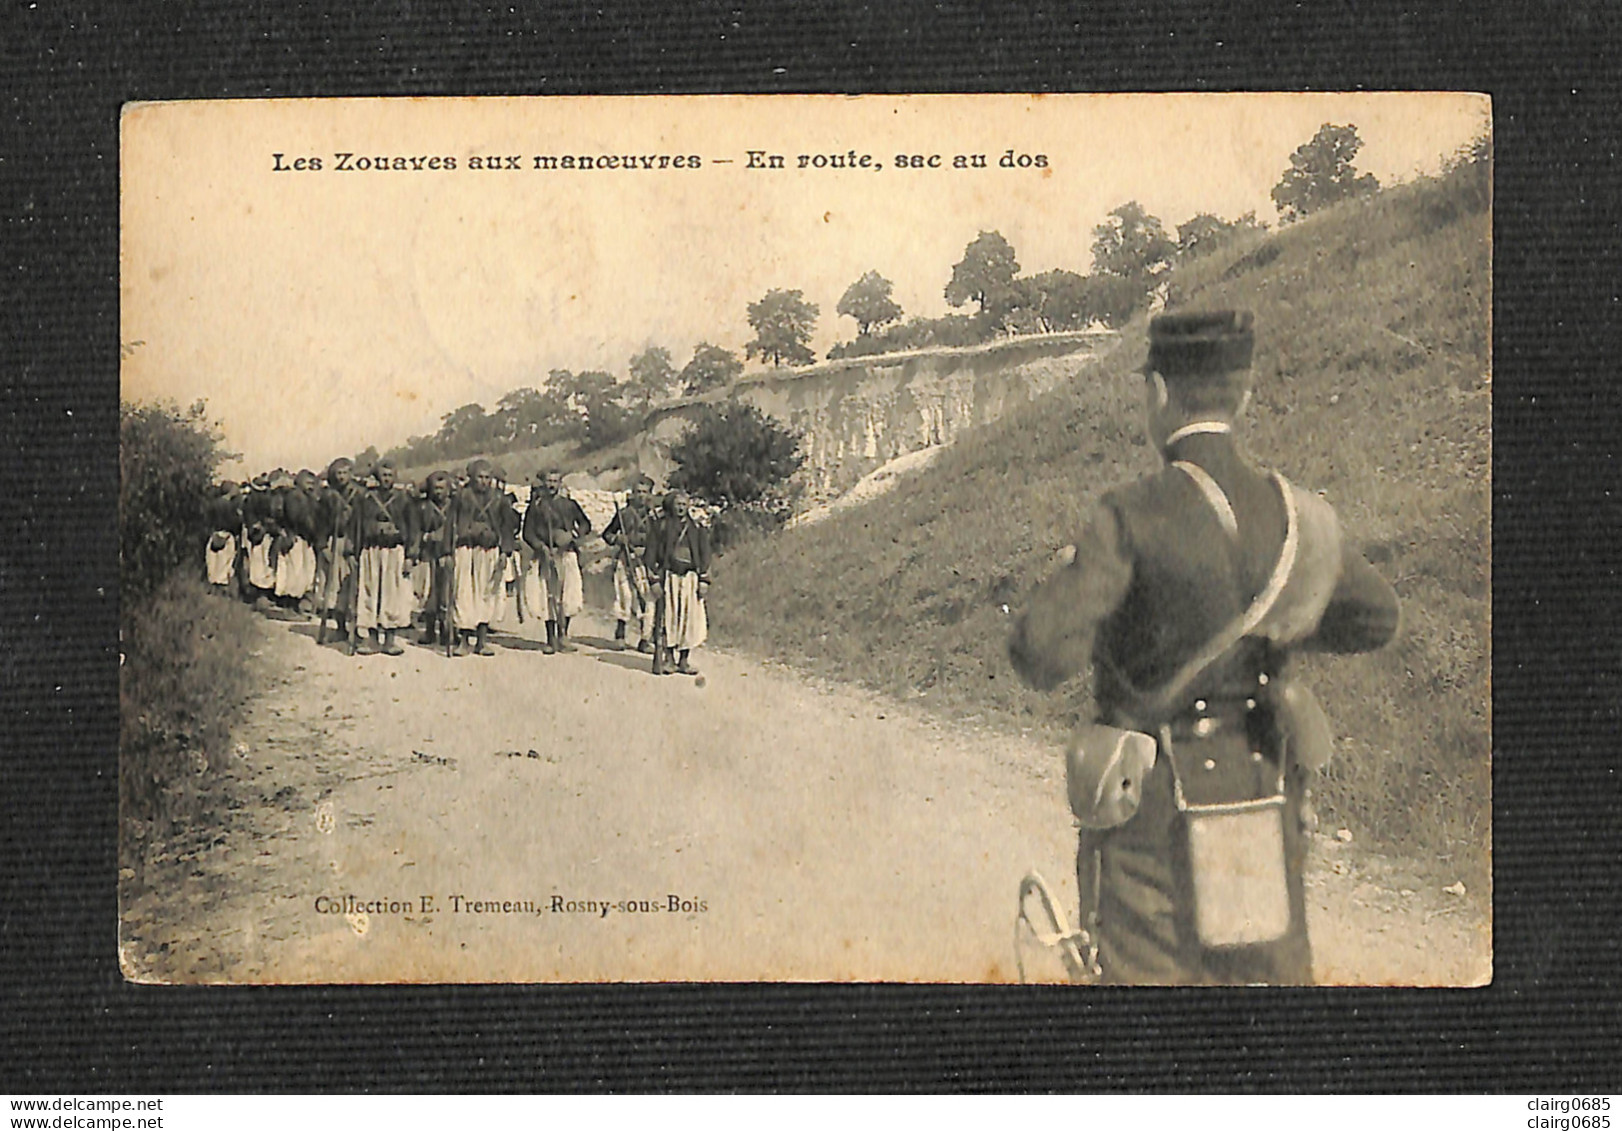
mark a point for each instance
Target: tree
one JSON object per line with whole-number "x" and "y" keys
{"x": 1207, "y": 232}
{"x": 652, "y": 375}
{"x": 461, "y": 432}
{"x": 868, "y": 301}
{"x": 582, "y": 390}
{"x": 1057, "y": 298}
{"x": 782, "y": 321}
{"x": 735, "y": 455}
{"x": 523, "y": 414}
{"x": 608, "y": 422}
{"x": 1321, "y": 173}
{"x": 1131, "y": 244}
{"x": 985, "y": 272}
{"x": 712, "y": 367}
{"x": 1111, "y": 300}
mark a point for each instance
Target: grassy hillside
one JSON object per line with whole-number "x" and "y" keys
{"x": 1371, "y": 385}
{"x": 614, "y": 463}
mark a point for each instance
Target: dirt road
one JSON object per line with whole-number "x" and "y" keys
{"x": 424, "y": 818}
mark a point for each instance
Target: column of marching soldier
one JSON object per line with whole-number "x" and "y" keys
{"x": 451, "y": 556}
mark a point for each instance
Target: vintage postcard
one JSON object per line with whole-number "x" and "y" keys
{"x": 927, "y": 539}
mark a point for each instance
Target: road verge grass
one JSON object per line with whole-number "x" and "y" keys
{"x": 187, "y": 672}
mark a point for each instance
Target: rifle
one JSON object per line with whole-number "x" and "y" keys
{"x": 449, "y": 621}
{"x": 659, "y": 578}
{"x": 553, "y": 575}
{"x": 354, "y": 577}
{"x": 622, "y": 551}
{"x": 328, "y": 596}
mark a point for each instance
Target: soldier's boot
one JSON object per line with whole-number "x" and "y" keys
{"x": 645, "y": 646}
{"x": 390, "y": 648}
{"x": 483, "y": 647}
{"x": 430, "y": 633}
{"x": 658, "y": 660}
{"x": 682, "y": 666}
{"x": 563, "y": 636}
{"x": 551, "y": 644}
{"x": 367, "y": 645}
{"x": 619, "y": 636}
{"x": 461, "y": 642}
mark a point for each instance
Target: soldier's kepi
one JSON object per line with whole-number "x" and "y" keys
{"x": 1187, "y": 592}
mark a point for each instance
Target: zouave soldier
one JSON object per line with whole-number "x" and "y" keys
{"x": 383, "y": 541}
{"x": 335, "y": 516}
{"x": 486, "y": 532}
{"x": 435, "y": 552}
{"x": 678, "y": 561}
{"x": 553, "y": 527}
{"x": 295, "y": 550}
{"x": 225, "y": 537}
{"x": 1188, "y": 592}
{"x": 511, "y": 568}
{"x": 261, "y": 526}
{"x": 627, "y": 535}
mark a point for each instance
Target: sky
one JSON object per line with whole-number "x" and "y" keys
{"x": 321, "y": 311}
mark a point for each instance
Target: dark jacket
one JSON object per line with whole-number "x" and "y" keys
{"x": 484, "y": 519}
{"x": 335, "y": 513}
{"x": 628, "y": 530}
{"x": 301, "y": 513}
{"x": 554, "y": 522}
{"x": 385, "y": 519}
{"x": 678, "y": 545}
{"x": 1189, "y": 579}
{"x": 260, "y": 515}
{"x": 224, "y": 512}
{"x": 433, "y": 528}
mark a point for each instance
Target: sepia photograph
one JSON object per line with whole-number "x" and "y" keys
{"x": 930, "y": 538}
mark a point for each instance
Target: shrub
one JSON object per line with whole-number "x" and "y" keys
{"x": 167, "y": 459}
{"x": 734, "y": 455}
{"x": 184, "y": 671}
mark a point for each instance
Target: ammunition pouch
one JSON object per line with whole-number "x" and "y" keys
{"x": 1105, "y": 768}
{"x": 477, "y": 534}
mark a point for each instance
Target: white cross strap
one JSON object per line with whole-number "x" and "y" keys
{"x": 1213, "y": 494}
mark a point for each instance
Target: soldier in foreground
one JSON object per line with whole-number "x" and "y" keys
{"x": 384, "y": 539}
{"x": 485, "y": 531}
{"x": 627, "y": 535}
{"x": 553, "y": 527}
{"x": 678, "y": 560}
{"x": 1188, "y": 591}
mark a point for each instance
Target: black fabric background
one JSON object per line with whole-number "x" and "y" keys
{"x": 1550, "y": 1020}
